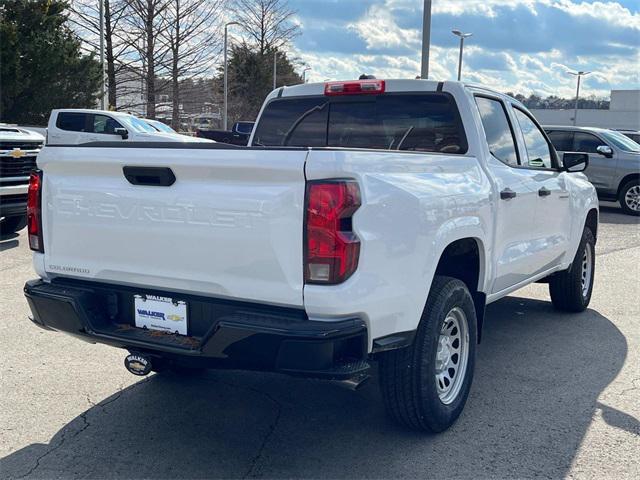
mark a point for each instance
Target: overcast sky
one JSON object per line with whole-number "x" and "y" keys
{"x": 522, "y": 46}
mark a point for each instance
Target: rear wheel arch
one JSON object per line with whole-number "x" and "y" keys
{"x": 465, "y": 259}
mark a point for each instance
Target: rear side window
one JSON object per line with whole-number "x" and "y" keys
{"x": 497, "y": 129}
{"x": 562, "y": 141}
{"x": 411, "y": 122}
{"x": 72, "y": 121}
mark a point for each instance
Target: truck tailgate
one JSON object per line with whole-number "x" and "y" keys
{"x": 231, "y": 225}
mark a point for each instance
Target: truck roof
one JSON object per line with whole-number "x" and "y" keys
{"x": 392, "y": 85}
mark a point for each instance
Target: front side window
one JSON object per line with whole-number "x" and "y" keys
{"x": 536, "y": 144}
{"x": 497, "y": 130}
{"x": 562, "y": 140}
{"x": 72, "y": 121}
{"x": 586, "y": 143}
{"x": 412, "y": 122}
{"x": 104, "y": 124}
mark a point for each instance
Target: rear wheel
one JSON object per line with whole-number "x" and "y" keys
{"x": 571, "y": 290}
{"x": 425, "y": 386}
{"x": 630, "y": 197}
{"x": 12, "y": 224}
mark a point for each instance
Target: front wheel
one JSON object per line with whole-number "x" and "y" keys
{"x": 630, "y": 197}
{"x": 425, "y": 386}
{"x": 571, "y": 289}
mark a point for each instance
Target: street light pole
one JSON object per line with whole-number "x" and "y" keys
{"x": 226, "y": 75}
{"x": 462, "y": 36}
{"x": 102, "y": 82}
{"x": 275, "y": 68}
{"x": 575, "y": 109}
{"x": 426, "y": 39}
{"x": 304, "y": 74}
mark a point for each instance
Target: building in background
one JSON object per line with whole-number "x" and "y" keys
{"x": 623, "y": 113}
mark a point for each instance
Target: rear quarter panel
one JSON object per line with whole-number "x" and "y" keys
{"x": 413, "y": 206}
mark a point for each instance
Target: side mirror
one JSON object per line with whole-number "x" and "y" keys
{"x": 605, "y": 150}
{"x": 575, "y": 162}
{"x": 122, "y": 132}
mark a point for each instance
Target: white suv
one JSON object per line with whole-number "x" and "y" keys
{"x": 77, "y": 126}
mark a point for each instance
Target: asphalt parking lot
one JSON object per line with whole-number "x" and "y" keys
{"x": 554, "y": 396}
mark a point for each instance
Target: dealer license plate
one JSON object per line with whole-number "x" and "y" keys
{"x": 160, "y": 313}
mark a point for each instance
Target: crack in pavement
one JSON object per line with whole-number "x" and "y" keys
{"x": 272, "y": 428}
{"x": 86, "y": 424}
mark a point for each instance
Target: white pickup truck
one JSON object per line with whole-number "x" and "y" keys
{"x": 366, "y": 221}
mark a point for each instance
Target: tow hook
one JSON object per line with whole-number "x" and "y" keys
{"x": 138, "y": 364}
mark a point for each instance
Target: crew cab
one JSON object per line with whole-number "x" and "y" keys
{"x": 367, "y": 221}
{"x": 18, "y": 151}
{"x": 77, "y": 126}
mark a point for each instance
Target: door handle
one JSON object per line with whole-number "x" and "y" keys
{"x": 507, "y": 194}
{"x": 544, "y": 192}
{"x": 149, "y": 176}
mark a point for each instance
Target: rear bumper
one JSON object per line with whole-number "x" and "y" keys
{"x": 223, "y": 334}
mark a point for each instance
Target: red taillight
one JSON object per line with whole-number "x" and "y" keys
{"x": 359, "y": 87}
{"x": 331, "y": 247}
{"x": 34, "y": 212}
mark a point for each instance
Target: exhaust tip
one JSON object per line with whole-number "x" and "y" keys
{"x": 138, "y": 364}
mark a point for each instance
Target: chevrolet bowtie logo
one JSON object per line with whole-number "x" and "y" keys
{"x": 17, "y": 153}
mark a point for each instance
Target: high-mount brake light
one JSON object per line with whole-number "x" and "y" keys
{"x": 332, "y": 248}
{"x": 34, "y": 211}
{"x": 358, "y": 87}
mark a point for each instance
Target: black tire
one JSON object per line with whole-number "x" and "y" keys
{"x": 12, "y": 224}
{"x": 408, "y": 375}
{"x": 623, "y": 194}
{"x": 566, "y": 288}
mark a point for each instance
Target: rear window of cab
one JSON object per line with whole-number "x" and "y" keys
{"x": 421, "y": 122}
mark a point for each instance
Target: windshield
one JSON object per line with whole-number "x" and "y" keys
{"x": 426, "y": 122}
{"x": 161, "y": 127}
{"x": 137, "y": 125}
{"x": 621, "y": 141}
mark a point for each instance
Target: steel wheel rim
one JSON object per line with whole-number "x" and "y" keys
{"x": 452, "y": 355}
{"x": 632, "y": 198}
{"x": 587, "y": 269}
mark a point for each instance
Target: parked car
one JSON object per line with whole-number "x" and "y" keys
{"x": 614, "y": 161}
{"x": 77, "y": 126}
{"x": 18, "y": 151}
{"x": 418, "y": 204}
{"x": 632, "y": 134}
{"x": 238, "y": 135}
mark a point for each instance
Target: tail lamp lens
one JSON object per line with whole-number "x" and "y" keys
{"x": 34, "y": 212}
{"x": 332, "y": 248}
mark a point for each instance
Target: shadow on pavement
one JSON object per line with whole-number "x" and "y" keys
{"x": 538, "y": 379}
{"x": 8, "y": 241}
{"x": 616, "y": 216}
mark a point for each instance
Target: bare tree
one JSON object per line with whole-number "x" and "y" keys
{"x": 85, "y": 19}
{"x": 193, "y": 38}
{"x": 145, "y": 23}
{"x": 267, "y": 23}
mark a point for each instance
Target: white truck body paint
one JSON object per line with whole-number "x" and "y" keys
{"x": 232, "y": 225}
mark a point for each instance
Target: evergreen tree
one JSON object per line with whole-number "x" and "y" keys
{"x": 251, "y": 80}
{"x": 41, "y": 66}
